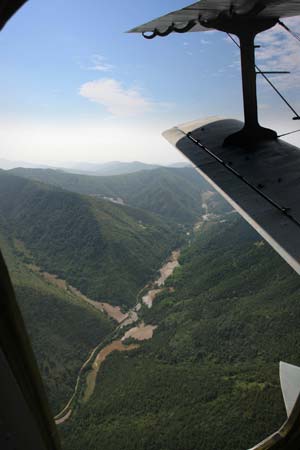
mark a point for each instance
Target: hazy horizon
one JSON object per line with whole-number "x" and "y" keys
{"x": 73, "y": 164}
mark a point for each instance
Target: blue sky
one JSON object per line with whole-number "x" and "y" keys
{"x": 74, "y": 86}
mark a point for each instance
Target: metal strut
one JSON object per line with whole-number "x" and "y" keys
{"x": 252, "y": 132}
{"x": 263, "y": 74}
{"x": 245, "y": 27}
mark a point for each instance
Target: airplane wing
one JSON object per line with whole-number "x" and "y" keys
{"x": 288, "y": 435}
{"x": 290, "y": 385}
{"x": 255, "y": 171}
{"x": 261, "y": 182}
{"x": 205, "y": 10}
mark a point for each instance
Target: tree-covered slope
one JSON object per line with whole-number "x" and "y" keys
{"x": 172, "y": 193}
{"x": 63, "y": 330}
{"x": 107, "y": 251}
{"x": 209, "y": 377}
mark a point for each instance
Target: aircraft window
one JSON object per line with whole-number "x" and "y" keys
{"x": 156, "y": 314}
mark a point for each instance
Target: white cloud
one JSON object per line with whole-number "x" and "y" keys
{"x": 280, "y": 51}
{"x": 96, "y": 62}
{"x": 118, "y": 100}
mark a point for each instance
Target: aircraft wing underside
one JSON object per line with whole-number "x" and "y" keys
{"x": 262, "y": 183}
{"x": 209, "y": 9}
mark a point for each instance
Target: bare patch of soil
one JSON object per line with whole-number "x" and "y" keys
{"x": 141, "y": 333}
{"x": 150, "y": 297}
{"x": 168, "y": 268}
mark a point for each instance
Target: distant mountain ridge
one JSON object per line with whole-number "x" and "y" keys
{"x": 103, "y": 169}
{"x": 173, "y": 193}
{"x": 111, "y": 168}
{"x": 6, "y": 164}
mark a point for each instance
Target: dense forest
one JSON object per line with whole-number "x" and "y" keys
{"x": 209, "y": 377}
{"x": 106, "y": 250}
{"x": 62, "y": 329}
{"x": 172, "y": 193}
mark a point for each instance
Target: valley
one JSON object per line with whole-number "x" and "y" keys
{"x": 152, "y": 325}
{"x": 93, "y": 242}
{"x": 140, "y": 332}
{"x": 74, "y": 286}
{"x": 213, "y": 358}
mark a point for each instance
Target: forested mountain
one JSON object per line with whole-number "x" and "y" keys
{"x": 209, "y": 378}
{"x": 63, "y": 330}
{"x": 173, "y": 193}
{"x": 106, "y": 250}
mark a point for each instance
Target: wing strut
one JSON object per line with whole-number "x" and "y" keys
{"x": 246, "y": 29}
{"x": 263, "y": 74}
{"x": 245, "y": 20}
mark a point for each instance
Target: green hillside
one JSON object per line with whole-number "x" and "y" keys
{"x": 173, "y": 193}
{"x": 63, "y": 330}
{"x": 106, "y": 250}
{"x": 209, "y": 377}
